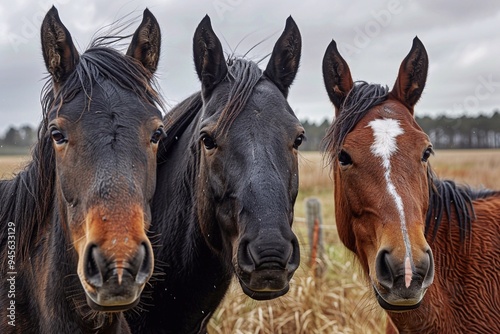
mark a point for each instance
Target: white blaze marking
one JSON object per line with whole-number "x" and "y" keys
{"x": 408, "y": 273}
{"x": 384, "y": 146}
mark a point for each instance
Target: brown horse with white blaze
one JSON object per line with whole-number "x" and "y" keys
{"x": 430, "y": 248}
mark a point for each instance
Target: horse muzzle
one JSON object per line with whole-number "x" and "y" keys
{"x": 400, "y": 287}
{"x": 265, "y": 268}
{"x": 113, "y": 285}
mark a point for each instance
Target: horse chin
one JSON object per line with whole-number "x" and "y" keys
{"x": 264, "y": 284}
{"x": 406, "y": 306}
{"x": 263, "y": 294}
{"x": 110, "y": 308}
{"x": 109, "y": 300}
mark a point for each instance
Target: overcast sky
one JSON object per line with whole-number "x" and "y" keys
{"x": 462, "y": 39}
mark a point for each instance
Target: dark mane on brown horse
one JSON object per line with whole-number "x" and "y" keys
{"x": 445, "y": 194}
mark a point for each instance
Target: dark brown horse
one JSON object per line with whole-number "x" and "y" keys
{"x": 429, "y": 248}
{"x": 227, "y": 183}
{"x": 73, "y": 239}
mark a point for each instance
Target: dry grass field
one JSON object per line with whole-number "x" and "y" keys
{"x": 11, "y": 164}
{"x": 339, "y": 301}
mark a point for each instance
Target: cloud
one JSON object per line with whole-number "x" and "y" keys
{"x": 461, "y": 39}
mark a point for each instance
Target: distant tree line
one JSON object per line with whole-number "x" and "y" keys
{"x": 445, "y": 132}
{"x": 464, "y": 132}
{"x": 24, "y": 136}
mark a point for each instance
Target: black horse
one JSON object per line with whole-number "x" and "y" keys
{"x": 227, "y": 184}
{"x": 73, "y": 223}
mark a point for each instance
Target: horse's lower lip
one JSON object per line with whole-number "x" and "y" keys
{"x": 112, "y": 308}
{"x": 263, "y": 295}
{"x": 394, "y": 308}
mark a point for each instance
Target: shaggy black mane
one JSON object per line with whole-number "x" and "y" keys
{"x": 447, "y": 197}
{"x": 243, "y": 76}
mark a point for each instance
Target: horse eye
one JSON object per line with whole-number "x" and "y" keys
{"x": 157, "y": 135}
{"x": 427, "y": 154}
{"x": 298, "y": 141}
{"x": 58, "y": 137}
{"x": 344, "y": 158}
{"x": 208, "y": 141}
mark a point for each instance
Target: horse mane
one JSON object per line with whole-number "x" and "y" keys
{"x": 27, "y": 200}
{"x": 361, "y": 98}
{"x": 445, "y": 194}
{"x": 177, "y": 120}
{"x": 243, "y": 75}
{"x": 102, "y": 63}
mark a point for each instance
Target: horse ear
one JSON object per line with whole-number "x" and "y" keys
{"x": 337, "y": 76}
{"x": 412, "y": 75}
{"x": 284, "y": 62}
{"x": 59, "y": 52}
{"x": 208, "y": 56}
{"x": 146, "y": 42}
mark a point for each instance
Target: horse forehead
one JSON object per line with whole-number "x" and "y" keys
{"x": 266, "y": 125}
{"x": 268, "y": 103}
{"x": 120, "y": 112}
{"x": 266, "y": 92}
{"x": 385, "y": 132}
{"x": 122, "y": 102}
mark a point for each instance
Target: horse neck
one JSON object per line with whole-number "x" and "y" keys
{"x": 460, "y": 265}
{"x": 175, "y": 205}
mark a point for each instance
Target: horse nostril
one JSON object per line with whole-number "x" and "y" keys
{"x": 383, "y": 270}
{"x": 429, "y": 275}
{"x": 144, "y": 260}
{"x": 245, "y": 260}
{"x": 272, "y": 254}
{"x": 294, "y": 261}
{"x": 93, "y": 266}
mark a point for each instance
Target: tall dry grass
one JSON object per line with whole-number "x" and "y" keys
{"x": 341, "y": 300}
{"x": 478, "y": 168}
{"x": 11, "y": 164}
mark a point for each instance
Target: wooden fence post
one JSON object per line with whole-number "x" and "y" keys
{"x": 315, "y": 233}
